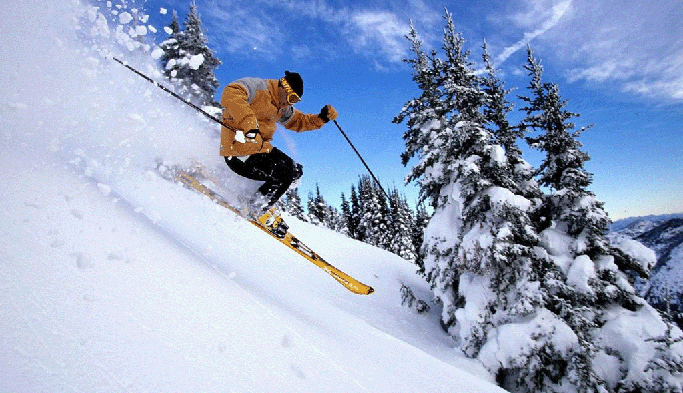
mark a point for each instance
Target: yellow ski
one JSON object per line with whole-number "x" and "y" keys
{"x": 288, "y": 240}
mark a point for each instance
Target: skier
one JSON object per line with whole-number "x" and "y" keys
{"x": 252, "y": 107}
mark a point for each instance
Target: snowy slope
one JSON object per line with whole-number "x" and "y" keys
{"x": 664, "y": 235}
{"x": 113, "y": 279}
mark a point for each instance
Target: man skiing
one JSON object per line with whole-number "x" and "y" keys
{"x": 252, "y": 109}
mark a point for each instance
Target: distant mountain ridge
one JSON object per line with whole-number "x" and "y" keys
{"x": 618, "y": 225}
{"x": 664, "y": 235}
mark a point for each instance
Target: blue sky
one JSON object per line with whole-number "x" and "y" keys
{"x": 617, "y": 62}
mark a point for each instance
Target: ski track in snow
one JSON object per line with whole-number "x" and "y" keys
{"x": 114, "y": 279}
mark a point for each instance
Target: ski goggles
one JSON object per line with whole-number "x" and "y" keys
{"x": 292, "y": 97}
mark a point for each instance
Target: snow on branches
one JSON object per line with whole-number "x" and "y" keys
{"x": 528, "y": 280}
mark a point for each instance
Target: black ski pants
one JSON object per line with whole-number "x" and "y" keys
{"x": 276, "y": 169}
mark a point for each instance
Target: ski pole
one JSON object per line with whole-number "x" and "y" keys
{"x": 203, "y": 112}
{"x": 361, "y": 159}
{"x": 169, "y": 91}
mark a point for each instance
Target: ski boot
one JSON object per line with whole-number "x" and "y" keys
{"x": 273, "y": 222}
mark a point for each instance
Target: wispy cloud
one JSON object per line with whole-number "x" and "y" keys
{"x": 376, "y": 32}
{"x": 379, "y": 32}
{"x": 639, "y": 45}
{"x": 268, "y": 29}
{"x": 245, "y": 31}
{"x": 633, "y": 46}
{"x": 540, "y": 16}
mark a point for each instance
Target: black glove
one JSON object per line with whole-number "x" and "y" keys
{"x": 327, "y": 113}
{"x": 251, "y": 134}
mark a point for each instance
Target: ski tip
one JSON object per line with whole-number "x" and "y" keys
{"x": 366, "y": 290}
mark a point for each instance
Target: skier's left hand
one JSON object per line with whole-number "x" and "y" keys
{"x": 251, "y": 134}
{"x": 327, "y": 113}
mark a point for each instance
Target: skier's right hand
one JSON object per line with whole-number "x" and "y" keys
{"x": 327, "y": 113}
{"x": 251, "y": 134}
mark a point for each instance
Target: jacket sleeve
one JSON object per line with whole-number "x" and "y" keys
{"x": 235, "y": 99}
{"x": 304, "y": 122}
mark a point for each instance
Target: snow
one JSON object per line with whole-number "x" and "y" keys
{"x": 140, "y": 30}
{"x": 125, "y": 18}
{"x": 114, "y": 279}
{"x": 502, "y": 196}
{"x": 478, "y": 295}
{"x": 498, "y": 154}
{"x": 513, "y": 340}
{"x": 629, "y": 335}
{"x": 581, "y": 271}
{"x": 646, "y": 257}
{"x": 157, "y": 53}
{"x": 558, "y": 244}
{"x": 196, "y": 61}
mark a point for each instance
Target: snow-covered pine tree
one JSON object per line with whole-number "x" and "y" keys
{"x": 594, "y": 308}
{"x": 482, "y": 254}
{"x": 417, "y": 234}
{"x": 428, "y": 138}
{"x": 425, "y": 117}
{"x": 383, "y": 227}
{"x": 562, "y": 170}
{"x": 481, "y": 244}
{"x": 354, "y": 222}
{"x": 317, "y": 208}
{"x": 293, "y": 205}
{"x": 479, "y": 233}
{"x": 347, "y": 221}
{"x": 496, "y": 110}
{"x": 311, "y": 207}
{"x": 364, "y": 228}
{"x": 401, "y": 219}
{"x": 194, "y": 69}
{"x": 373, "y": 224}
{"x": 171, "y": 48}
{"x": 333, "y": 219}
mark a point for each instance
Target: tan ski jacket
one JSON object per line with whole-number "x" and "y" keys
{"x": 254, "y": 103}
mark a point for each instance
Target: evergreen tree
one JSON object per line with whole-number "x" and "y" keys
{"x": 201, "y": 81}
{"x": 496, "y": 110}
{"x": 401, "y": 218}
{"x": 189, "y": 61}
{"x": 425, "y": 117}
{"x": 460, "y": 82}
{"x": 333, "y": 219}
{"x": 354, "y": 222}
{"x": 373, "y": 224}
{"x": 558, "y": 295}
{"x": 482, "y": 256}
{"x": 312, "y": 207}
{"x": 347, "y": 219}
{"x": 417, "y": 233}
{"x": 562, "y": 170}
{"x": 171, "y": 49}
{"x": 583, "y": 288}
{"x": 317, "y": 208}
{"x": 293, "y": 205}
{"x": 384, "y": 234}
{"x": 489, "y": 239}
